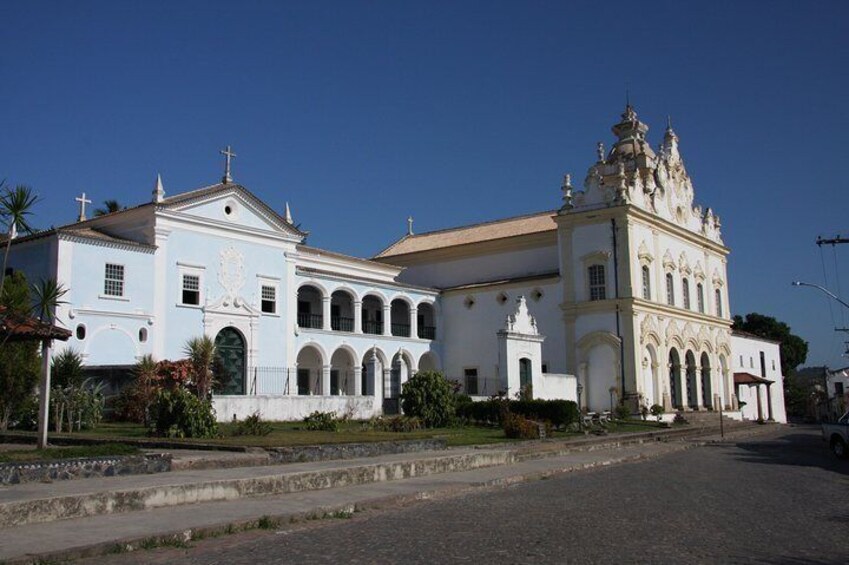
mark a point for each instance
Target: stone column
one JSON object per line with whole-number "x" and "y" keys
{"x": 325, "y": 380}
{"x": 386, "y": 384}
{"x": 358, "y": 381}
{"x": 682, "y": 387}
{"x": 698, "y": 383}
{"x": 414, "y": 322}
{"x": 760, "y": 408}
{"x": 769, "y": 402}
{"x": 325, "y": 312}
{"x": 387, "y": 319}
{"x": 358, "y": 317}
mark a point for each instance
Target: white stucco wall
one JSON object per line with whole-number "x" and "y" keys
{"x": 289, "y": 408}
{"x": 746, "y": 358}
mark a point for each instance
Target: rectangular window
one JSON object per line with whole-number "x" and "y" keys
{"x": 685, "y": 289}
{"x": 114, "y": 281}
{"x": 471, "y": 381}
{"x": 597, "y": 286}
{"x": 191, "y": 290}
{"x": 719, "y": 303}
{"x": 838, "y": 389}
{"x": 269, "y": 299}
{"x": 763, "y": 365}
{"x": 700, "y": 297}
{"x": 646, "y": 284}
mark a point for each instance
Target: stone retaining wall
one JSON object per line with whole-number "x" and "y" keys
{"x": 61, "y": 470}
{"x": 305, "y": 453}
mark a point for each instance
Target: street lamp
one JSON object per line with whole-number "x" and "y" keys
{"x": 580, "y": 389}
{"x": 825, "y": 290}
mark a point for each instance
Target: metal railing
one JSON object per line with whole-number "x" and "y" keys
{"x": 372, "y": 327}
{"x": 314, "y": 321}
{"x": 341, "y": 324}
{"x": 427, "y": 332}
{"x": 401, "y": 330}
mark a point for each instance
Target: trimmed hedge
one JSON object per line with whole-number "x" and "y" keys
{"x": 559, "y": 412}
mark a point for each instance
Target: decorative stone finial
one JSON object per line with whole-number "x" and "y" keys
{"x": 288, "y": 215}
{"x": 158, "y": 190}
{"x": 228, "y": 155}
{"x": 566, "y": 188}
{"x": 83, "y": 201}
{"x": 599, "y": 151}
{"x": 409, "y": 225}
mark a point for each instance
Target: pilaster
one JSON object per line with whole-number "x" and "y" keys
{"x": 358, "y": 317}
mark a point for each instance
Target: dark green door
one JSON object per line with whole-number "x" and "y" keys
{"x": 525, "y": 373}
{"x": 230, "y": 348}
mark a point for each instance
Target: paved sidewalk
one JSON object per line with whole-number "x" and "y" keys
{"x": 99, "y": 534}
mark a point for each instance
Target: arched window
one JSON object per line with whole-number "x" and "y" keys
{"x": 142, "y": 335}
{"x": 718, "y": 302}
{"x": 685, "y": 290}
{"x": 700, "y": 298}
{"x": 598, "y": 290}
{"x": 80, "y": 332}
{"x": 670, "y": 290}
{"x": 646, "y": 283}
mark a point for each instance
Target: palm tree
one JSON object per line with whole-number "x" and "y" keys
{"x": 48, "y": 296}
{"x": 15, "y": 206}
{"x": 201, "y": 353}
{"x": 109, "y": 206}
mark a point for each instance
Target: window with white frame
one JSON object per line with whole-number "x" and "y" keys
{"x": 646, "y": 283}
{"x": 269, "y": 299}
{"x": 114, "y": 280}
{"x": 191, "y": 290}
{"x": 670, "y": 290}
{"x": 700, "y": 298}
{"x": 718, "y": 294}
{"x": 598, "y": 290}
{"x": 685, "y": 290}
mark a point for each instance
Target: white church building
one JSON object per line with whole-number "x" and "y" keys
{"x": 621, "y": 293}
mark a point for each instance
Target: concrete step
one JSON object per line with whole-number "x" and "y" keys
{"x": 36, "y": 503}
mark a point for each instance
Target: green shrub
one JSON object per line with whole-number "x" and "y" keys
{"x": 518, "y": 427}
{"x": 429, "y": 397}
{"x": 622, "y": 412}
{"x": 322, "y": 422}
{"x": 179, "y": 413}
{"x": 561, "y": 413}
{"x": 395, "y": 424}
{"x": 253, "y": 425}
{"x": 657, "y": 411}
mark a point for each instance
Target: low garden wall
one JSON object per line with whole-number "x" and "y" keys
{"x": 290, "y": 408}
{"x": 60, "y": 470}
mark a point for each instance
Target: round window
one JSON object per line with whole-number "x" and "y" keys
{"x": 228, "y": 210}
{"x": 80, "y": 332}
{"x": 142, "y": 335}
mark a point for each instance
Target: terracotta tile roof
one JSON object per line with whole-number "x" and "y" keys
{"x": 19, "y": 327}
{"x": 749, "y": 379}
{"x": 476, "y": 233}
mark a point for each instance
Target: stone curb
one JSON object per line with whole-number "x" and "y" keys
{"x": 330, "y": 511}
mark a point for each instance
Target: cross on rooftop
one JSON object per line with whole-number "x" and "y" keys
{"x": 83, "y": 201}
{"x": 228, "y": 155}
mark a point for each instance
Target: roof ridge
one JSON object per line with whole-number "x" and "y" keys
{"x": 478, "y": 224}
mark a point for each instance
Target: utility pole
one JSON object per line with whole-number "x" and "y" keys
{"x": 833, "y": 241}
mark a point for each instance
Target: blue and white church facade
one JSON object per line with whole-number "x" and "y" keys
{"x": 619, "y": 295}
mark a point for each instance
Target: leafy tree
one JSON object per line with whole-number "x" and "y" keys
{"x": 48, "y": 296}
{"x": 19, "y": 361}
{"x": 109, "y": 206}
{"x": 15, "y": 207}
{"x": 428, "y": 396}
{"x": 794, "y": 349}
{"x": 67, "y": 368}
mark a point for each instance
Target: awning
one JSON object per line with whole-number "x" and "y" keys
{"x": 750, "y": 379}
{"x": 19, "y": 327}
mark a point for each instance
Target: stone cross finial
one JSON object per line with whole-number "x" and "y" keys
{"x": 409, "y": 225}
{"x": 599, "y": 149}
{"x": 228, "y": 155}
{"x": 158, "y": 190}
{"x": 83, "y": 201}
{"x": 288, "y": 214}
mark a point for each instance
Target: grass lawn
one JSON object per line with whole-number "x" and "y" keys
{"x": 72, "y": 452}
{"x": 286, "y": 434}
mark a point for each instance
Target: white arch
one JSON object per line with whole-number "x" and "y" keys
{"x": 407, "y": 357}
{"x": 90, "y": 338}
{"x": 346, "y": 289}
{"x": 320, "y": 287}
{"x": 435, "y": 360}
{"x": 322, "y": 353}
{"x": 403, "y": 298}
{"x": 376, "y": 294}
{"x": 355, "y": 358}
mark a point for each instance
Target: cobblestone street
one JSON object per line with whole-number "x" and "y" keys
{"x": 684, "y": 507}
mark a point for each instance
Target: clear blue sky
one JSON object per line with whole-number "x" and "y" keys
{"x": 362, "y": 113}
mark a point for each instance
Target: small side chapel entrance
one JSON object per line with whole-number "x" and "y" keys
{"x": 230, "y": 350}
